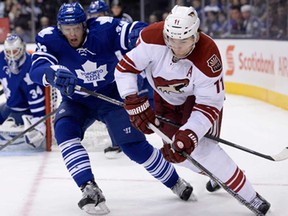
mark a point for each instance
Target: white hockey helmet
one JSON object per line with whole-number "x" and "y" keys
{"x": 14, "y": 48}
{"x": 181, "y": 23}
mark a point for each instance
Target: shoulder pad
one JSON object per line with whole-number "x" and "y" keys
{"x": 50, "y": 37}
{"x": 153, "y": 34}
{"x": 206, "y": 56}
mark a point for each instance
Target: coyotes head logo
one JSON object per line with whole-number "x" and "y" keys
{"x": 167, "y": 86}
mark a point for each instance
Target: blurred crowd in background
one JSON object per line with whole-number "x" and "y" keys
{"x": 264, "y": 19}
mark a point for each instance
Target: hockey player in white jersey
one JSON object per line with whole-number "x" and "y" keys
{"x": 184, "y": 67}
{"x": 25, "y": 100}
{"x": 83, "y": 52}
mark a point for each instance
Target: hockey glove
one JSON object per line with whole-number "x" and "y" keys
{"x": 134, "y": 34}
{"x": 185, "y": 141}
{"x": 36, "y": 136}
{"x": 62, "y": 78}
{"x": 140, "y": 113}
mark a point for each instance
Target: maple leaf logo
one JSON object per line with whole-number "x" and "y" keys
{"x": 27, "y": 79}
{"x": 91, "y": 73}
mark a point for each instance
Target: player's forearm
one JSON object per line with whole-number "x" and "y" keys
{"x": 126, "y": 83}
{"x": 37, "y": 73}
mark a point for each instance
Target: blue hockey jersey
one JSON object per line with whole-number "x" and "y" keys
{"x": 93, "y": 63}
{"x": 21, "y": 93}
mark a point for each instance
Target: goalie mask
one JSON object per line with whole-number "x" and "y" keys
{"x": 14, "y": 50}
{"x": 181, "y": 30}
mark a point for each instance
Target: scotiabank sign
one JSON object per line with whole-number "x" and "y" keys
{"x": 258, "y": 63}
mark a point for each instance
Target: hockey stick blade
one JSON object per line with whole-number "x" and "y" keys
{"x": 28, "y": 129}
{"x": 208, "y": 173}
{"x": 283, "y": 155}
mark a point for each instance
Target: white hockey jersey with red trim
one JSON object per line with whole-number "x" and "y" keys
{"x": 199, "y": 74}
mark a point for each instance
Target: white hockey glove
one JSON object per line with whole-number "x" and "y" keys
{"x": 36, "y": 136}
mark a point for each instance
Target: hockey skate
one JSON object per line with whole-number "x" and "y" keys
{"x": 212, "y": 186}
{"x": 184, "y": 190}
{"x": 93, "y": 200}
{"x": 260, "y": 204}
{"x": 113, "y": 152}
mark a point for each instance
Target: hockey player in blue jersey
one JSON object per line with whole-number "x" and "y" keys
{"x": 100, "y": 8}
{"x": 25, "y": 100}
{"x": 82, "y": 53}
{"x": 97, "y": 8}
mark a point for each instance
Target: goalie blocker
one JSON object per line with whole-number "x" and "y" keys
{"x": 31, "y": 141}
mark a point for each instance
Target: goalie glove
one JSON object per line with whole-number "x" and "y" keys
{"x": 36, "y": 136}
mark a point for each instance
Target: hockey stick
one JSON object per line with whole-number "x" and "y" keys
{"x": 167, "y": 139}
{"x": 28, "y": 129}
{"x": 207, "y": 172}
{"x": 283, "y": 155}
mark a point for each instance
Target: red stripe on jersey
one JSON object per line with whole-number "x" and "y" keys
{"x": 127, "y": 65}
{"x": 216, "y": 127}
{"x": 237, "y": 181}
{"x": 210, "y": 112}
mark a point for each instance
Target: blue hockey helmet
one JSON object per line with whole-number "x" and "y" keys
{"x": 97, "y": 7}
{"x": 71, "y": 13}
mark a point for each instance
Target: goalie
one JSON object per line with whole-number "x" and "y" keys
{"x": 24, "y": 100}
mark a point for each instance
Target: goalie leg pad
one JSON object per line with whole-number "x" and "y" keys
{"x": 9, "y": 130}
{"x": 36, "y": 136}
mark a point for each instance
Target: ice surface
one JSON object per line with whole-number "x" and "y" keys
{"x": 38, "y": 184}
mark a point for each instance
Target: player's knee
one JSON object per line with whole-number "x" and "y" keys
{"x": 138, "y": 151}
{"x": 67, "y": 128}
